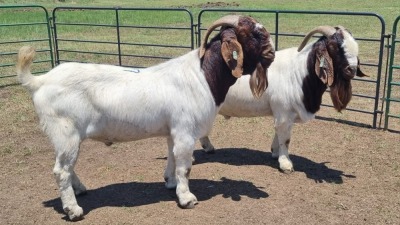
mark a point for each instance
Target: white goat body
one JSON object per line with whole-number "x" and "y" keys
{"x": 112, "y": 103}
{"x": 278, "y": 97}
{"x": 178, "y": 99}
{"x": 288, "y": 79}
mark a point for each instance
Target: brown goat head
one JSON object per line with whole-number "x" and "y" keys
{"x": 246, "y": 47}
{"x": 334, "y": 60}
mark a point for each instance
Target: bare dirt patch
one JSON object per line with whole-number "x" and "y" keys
{"x": 343, "y": 175}
{"x": 213, "y": 5}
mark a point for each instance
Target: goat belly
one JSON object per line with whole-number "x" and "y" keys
{"x": 122, "y": 131}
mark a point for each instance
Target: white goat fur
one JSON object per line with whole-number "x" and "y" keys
{"x": 114, "y": 104}
{"x": 282, "y": 99}
{"x": 175, "y": 99}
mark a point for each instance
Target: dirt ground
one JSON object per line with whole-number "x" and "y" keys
{"x": 344, "y": 174}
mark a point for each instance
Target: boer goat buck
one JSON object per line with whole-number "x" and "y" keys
{"x": 297, "y": 79}
{"x": 178, "y": 99}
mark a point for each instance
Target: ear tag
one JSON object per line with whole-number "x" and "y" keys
{"x": 322, "y": 62}
{"x": 235, "y": 55}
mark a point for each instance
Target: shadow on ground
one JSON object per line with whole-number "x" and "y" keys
{"x": 138, "y": 193}
{"x": 319, "y": 172}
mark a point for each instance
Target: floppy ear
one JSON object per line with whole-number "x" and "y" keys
{"x": 233, "y": 55}
{"x": 324, "y": 67}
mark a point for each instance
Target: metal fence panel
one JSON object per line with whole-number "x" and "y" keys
{"x": 24, "y": 25}
{"x": 134, "y": 37}
{"x": 392, "y": 112}
{"x": 125, "y": 36}
{"x": 287, "y": 31}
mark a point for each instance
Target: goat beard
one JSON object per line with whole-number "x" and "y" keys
{"x": 341, "y": 92}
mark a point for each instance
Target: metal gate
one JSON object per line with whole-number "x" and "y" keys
{"x": 115, "y": 32}
{"x": 27, "y": 24}
{"x": 287, "y": 32}
{"x": 393, "y": 85}
{"x": 115, "y": 41}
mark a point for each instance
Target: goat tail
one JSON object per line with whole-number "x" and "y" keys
{"x": 25, "y": 60}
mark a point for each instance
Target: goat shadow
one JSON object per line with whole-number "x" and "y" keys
{"x": 138, "y": 193}
{"x": 319, "y": 172}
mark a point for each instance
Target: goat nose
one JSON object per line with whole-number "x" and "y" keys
{"x": 351, "y": 69}
{"x": 354, "y": 69}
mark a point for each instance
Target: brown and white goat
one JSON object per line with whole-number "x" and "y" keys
{"x": 297, "y": 79}
{"x": 178, "y": 99}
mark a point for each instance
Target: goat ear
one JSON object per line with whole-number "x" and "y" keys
{"x": 324, "y": 67}
{"x": 233, "y": 55}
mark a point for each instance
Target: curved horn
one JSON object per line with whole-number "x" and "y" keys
{"x": 325, "y": 30}
{"x": 230, "y": 20}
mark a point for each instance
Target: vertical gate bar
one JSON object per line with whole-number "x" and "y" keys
{"x": 195, "y": 35}
{"x": 192, "y": 31}
{"x": 388, "y": 50}
{"x": 199, "y": 28}
{"x": 390, "y": 77}
{"x": 276, "y": 30}
{"x": 378, "y": 79}
{"x": 118, "y": 36}
{"x": 48, "y": 20}
{"x": 56, "y": 52}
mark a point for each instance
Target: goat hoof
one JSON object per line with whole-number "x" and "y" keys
{"x": 208, "y": 148}
{"x": 74, "y": 213}
{"x": 188, "y": 203}
{"x": 285, "y": 165}
{"x": 287, "y": 171}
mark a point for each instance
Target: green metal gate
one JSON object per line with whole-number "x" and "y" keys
{"x": 393, "y": 85}
{"x": 64, "y": 36}
{"x": 168, "y": 32}
{"x": 24, "y": 25}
